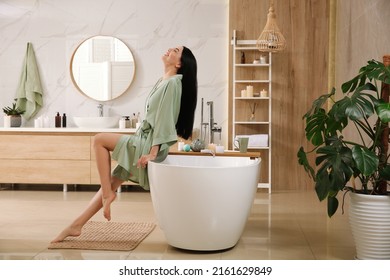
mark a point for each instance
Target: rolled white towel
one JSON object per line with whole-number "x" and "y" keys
{"x": 256, "y": 140}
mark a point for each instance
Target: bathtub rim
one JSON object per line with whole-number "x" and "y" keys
{"x": 252, "y": 162}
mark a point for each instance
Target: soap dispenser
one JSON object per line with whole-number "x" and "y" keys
{"x": 133, "y": 121}
{"x": 64, "y": 120}
{"x": 127, "y": 122}
{"x": 58, "y": 120}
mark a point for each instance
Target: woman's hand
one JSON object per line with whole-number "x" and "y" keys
{"x": 144, "y": 159}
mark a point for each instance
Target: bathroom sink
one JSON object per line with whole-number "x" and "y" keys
{"x": 96, "y": 122}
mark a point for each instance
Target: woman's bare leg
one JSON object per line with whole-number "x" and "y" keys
{"x": 74, "y": 229}
{"x": 96, "y": 203}
{"x": 104, "y": 143}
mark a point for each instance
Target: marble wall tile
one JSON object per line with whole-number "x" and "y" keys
{"x": 148, "y": 27}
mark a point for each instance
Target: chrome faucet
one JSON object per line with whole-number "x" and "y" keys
{"x": 100, "y": 108}
{"x": 210, "y": 126}
{"x": 203, "y": 125}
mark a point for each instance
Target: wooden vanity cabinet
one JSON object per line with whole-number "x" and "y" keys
{"x": 47, "y": 158}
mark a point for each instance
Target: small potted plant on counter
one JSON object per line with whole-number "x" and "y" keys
{"x": 13, "y": 116}
{"x": 358, "y": 164}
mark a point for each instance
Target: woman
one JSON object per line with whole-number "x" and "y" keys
{"x": 170, "y": 110}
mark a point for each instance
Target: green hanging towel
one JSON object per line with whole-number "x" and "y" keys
{"x": 29, "y": 93}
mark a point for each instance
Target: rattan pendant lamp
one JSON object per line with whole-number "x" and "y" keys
{"x": 271, "y": 39}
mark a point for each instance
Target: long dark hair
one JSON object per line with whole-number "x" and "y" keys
{"x": 188, "y": 69}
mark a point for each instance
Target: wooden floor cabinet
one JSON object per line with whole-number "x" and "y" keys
{"x": 47, "y": 158}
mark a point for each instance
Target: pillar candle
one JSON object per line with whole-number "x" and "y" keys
{"x": 243, "y": 93}
{"x": 211, "y": 147}
{"x": 249, "y": 91}
{"x": 263, "y": 93}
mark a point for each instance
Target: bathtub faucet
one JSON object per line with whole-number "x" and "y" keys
{"x": 210, "y": 126}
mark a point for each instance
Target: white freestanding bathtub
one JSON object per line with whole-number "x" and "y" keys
{"x": 203, "y": 202}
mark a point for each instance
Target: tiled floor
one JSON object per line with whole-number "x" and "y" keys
{"x": 282, "y": 226}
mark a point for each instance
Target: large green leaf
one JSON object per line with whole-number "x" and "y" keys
{"x": 359, "y": 105}
{"x": 302, "y": 160}
{"x": 373, "y": 70}
{"x": 319, "y": 103}
{"x": 383, "y": 111}
{"x": 366, "y": 160}
{"x": 377, "y": 70}
{"x": 333, "y": 204}
{"x": 322, "y": 184}
{"x": 316, "y": 126}
{"x": 336, "y": 168}
{"x": 352, "y": 84}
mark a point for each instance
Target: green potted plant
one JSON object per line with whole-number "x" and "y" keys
{"x": 358, "y": 164}
{"x": 13, "y": 116}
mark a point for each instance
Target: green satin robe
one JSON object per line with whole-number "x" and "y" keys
{"x": 158, "y": 128}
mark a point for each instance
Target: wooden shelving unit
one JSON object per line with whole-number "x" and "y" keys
{"x": 257, "y": 125}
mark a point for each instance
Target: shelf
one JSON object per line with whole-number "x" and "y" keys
{"x": 244, "y": 42}
{"x": 246, "y": 48}
{"x": 251, "y": 81}
{"x": 255, "y": 148}
{"x": 264, "y": 185}
{"x": 251, "y": 65}
{"x": 251, "y": 98}
{"x": 258, "y": 148}
{"x": 239, "y": 122}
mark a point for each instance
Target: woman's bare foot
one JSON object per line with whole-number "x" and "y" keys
{"x": 68, "y": 231}
{"x": 107, "y": 205}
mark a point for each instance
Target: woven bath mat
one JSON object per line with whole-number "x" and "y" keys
{"x": 112, "y": 236}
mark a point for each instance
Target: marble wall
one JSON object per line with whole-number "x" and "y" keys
{"x": 148, "y": 27}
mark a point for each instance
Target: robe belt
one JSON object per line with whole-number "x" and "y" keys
{"x": 143, "y": 136}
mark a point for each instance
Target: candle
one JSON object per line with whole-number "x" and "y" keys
{"x": 249, "y": 91}
{"x": 263, "y": 59}
{"x": 243, "y": 93}
{"x": 211, "y": 147}
{"x": 263, "y": 93}
{"x": 219, "y": 149}
{"x": 122, "y": 123}
{"x": 38, "y": 122}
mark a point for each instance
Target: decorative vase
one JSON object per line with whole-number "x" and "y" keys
{"x": 370, "y": 223}
{"x": 197, "y": 145}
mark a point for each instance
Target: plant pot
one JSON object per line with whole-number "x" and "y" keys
{"x": 12, "y": 121}
{"x": 369, "y": 217}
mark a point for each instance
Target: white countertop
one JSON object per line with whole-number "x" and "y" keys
{"x": 66, "y": 129}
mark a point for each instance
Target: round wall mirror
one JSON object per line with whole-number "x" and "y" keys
{"x": 102, "y": 68}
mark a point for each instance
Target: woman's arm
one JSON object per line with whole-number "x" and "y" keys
{"x": 143, "y": 160}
